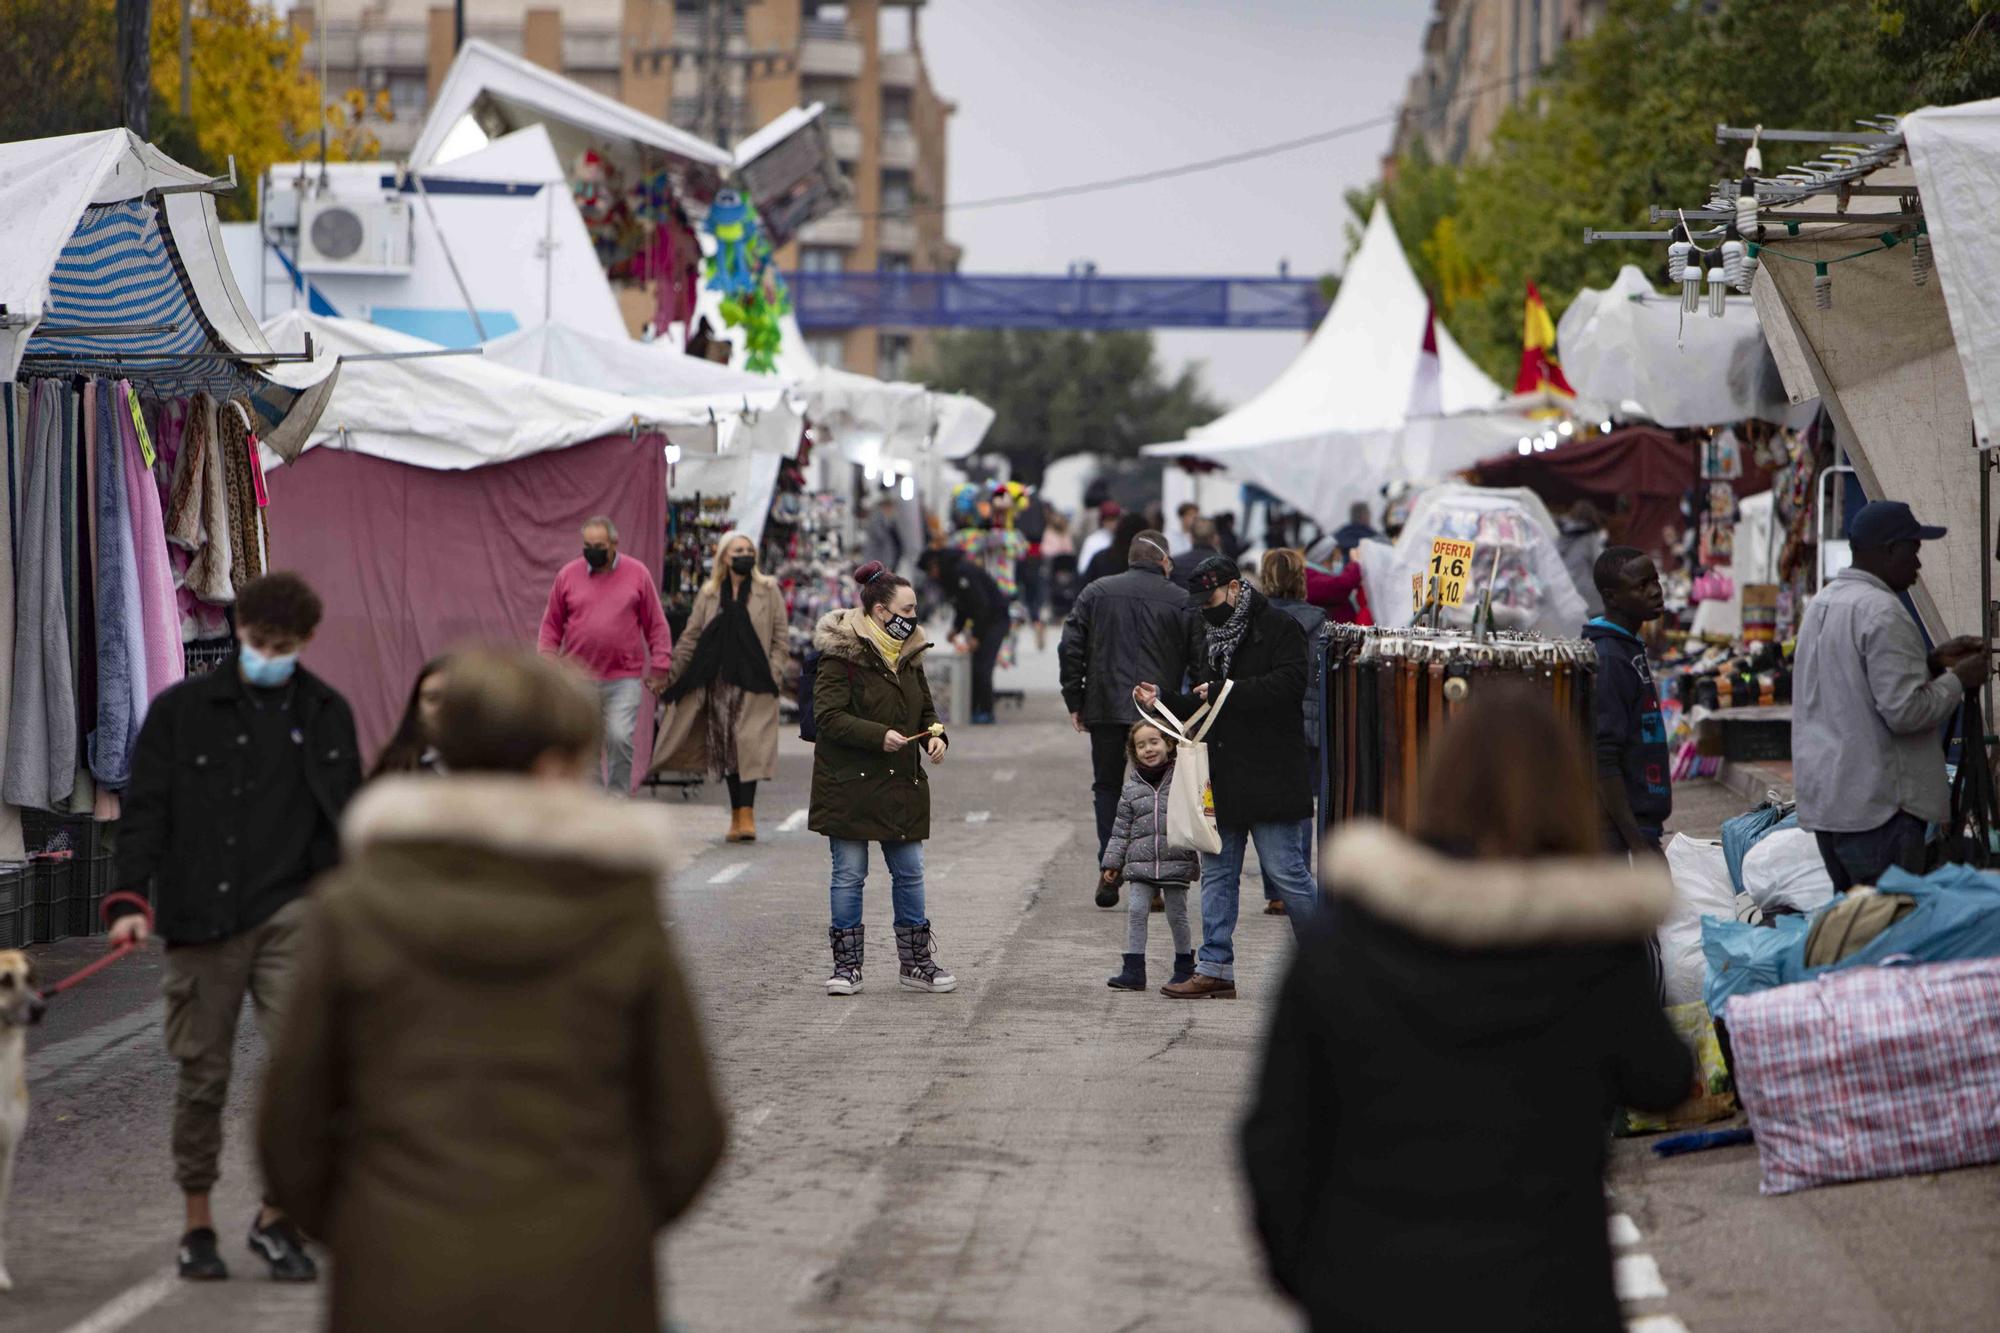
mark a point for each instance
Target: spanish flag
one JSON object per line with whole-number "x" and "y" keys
{"x": 1539, "y": 367}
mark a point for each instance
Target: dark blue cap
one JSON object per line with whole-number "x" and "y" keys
{"x": 1886, "y": 522}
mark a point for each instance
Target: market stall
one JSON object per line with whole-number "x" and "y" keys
{"x": 1514, "y": 566}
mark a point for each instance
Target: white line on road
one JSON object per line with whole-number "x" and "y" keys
{"x": 729, "y": 873}
{"x": 1624, "y": 1231}
{"x": 978, "y": 816}
{"x": 1637, "y": 1278}
{"x": 1003, "y": 775}
{"x": 127, "y": 1306}
{"x": 1656, "y": 1323}
{"x": 793, "y": 822}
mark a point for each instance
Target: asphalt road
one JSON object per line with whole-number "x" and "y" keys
{"x": 1034, "y": 1151}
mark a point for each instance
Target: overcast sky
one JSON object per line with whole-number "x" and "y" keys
{"x": 1054, "y": 92}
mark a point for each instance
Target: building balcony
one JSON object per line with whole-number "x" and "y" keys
{"x": 845, "y": 137}
{"x": 830, "y": 57}
{"x": 898, "y": 235}
{"x": 899, "y": 69}
{"x": 402, "y": 46}
{"x": 841, "y": 229}
{"x": 899, "y": 148}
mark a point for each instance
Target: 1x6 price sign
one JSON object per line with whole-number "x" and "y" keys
{"x": 1451, "y": 569}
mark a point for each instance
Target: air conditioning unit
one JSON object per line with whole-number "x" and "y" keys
{"x": 355, "y": 235}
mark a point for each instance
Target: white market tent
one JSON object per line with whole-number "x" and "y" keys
{"x": 103, "y": 231}
{"x": 1955, "y": 154}
{"x": 757, "y": 412}
{"x": 1337, "y": 424}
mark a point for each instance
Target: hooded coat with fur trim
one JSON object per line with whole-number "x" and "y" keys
{"x": 1451, "y": 1040}
{"x": 859, "y": 790}
{"x": 490, "y": 1091}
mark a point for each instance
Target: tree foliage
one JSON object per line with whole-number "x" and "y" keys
{"x": 1626, "y": 118}
{"x": 1057, "y": 393}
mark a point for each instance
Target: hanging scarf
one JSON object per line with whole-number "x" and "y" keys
{"x": 875, "y": 634}
{"x": 729, "y": 650}
{"x": 1222, "y": 640}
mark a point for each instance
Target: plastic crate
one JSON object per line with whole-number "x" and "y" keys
{"x": 51, "y": 879}
{"x": 14, "y": 911}
{"x": 91, "y": 881}
{"x": 80, "y": 834}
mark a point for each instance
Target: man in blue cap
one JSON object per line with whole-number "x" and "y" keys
{"x": 1868, "y": 704}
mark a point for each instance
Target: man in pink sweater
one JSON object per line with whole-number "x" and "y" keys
{"x": 604, "y": 613}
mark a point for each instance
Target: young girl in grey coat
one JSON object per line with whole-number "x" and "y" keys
{"x": 1139, "y": 855}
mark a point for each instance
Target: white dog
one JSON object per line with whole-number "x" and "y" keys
{"x": 20, "y": 1005}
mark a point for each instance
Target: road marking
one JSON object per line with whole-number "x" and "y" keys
{"x": 1624, "y": 1231}
{"x": 1637, "y": 1278}
{"x": 729, "y": 873}
{"x": 1003, "y": 775}
{"x": 978, "y": 816}
{"x": 1656, "y": 1323}
{"x": 793, "y": 822}
{"x": 126, "y": 1307}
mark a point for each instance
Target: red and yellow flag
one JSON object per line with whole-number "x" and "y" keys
{"x": 1539, "y": 367}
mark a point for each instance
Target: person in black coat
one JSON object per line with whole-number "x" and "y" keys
{"x": 1454, "y": 1034}
{"x": 980, "y": 611}
{"x": 1258, "y": 769}
{"x": 1114, "y": 558}
{"x": 1202, "y": 549}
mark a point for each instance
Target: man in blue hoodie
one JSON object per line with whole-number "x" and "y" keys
{"x": 1635, "y": 795}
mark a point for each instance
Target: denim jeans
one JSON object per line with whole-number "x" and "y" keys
{"x": 1860, "y": 858}
{"x": 1308, "y": 835}
{"x": 620, "y": 701}
{"x": 850, "y": 872}
{"x": 1282, "y": 854}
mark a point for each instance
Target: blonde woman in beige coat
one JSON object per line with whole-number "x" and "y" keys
{"x": 722, "y": 694}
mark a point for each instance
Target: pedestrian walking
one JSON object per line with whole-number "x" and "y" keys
{"x": 413, "y": 749}
{"x": 1180, "y": 536}
{"x": 876, "y": 724}
{"x": 1113, "y": 557}
{"x": 1202, "y": 546}
{"x": 1059, "y": 550}
{"x": 1257, "y": 762}
{"x": 234, "y": 807}
{"x": 1100, "y": 537}
{"x": 1138, "y": 857}
{"x": 1341, "y": 593}
{"x": 1033, "y": 570}
{"x": 1634, "y": 787}
{"x": 1868, "y": 704}
{"x": 1130, "y": 627}
{"x": 604, "y": 613}
{"x": 722, "y": 692}
{"x": 490, "y": 1091}
{"x": 1360, "y": 527}
{"x": 1484, "y": 978}
{"x": 981, "y": 619}
{"x": 883, "y": 541}
{"x": 1283, "y": 576}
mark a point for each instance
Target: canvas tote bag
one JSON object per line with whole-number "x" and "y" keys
{"x": 1191, "y": 799}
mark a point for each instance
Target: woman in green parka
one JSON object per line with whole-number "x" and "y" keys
{"x": 876, "y": 725}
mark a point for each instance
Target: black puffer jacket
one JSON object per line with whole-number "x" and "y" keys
{"x": 1311, "y": 619}
{"x": 1128, "y": 628}
{"x": 1257, "y": 751}
{"x": 1449, "y": 1044}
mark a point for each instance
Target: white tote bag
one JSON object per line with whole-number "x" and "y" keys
{"x": 1191, "y": 799}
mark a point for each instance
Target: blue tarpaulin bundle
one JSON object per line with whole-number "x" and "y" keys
{"x": 1745, "y": 831}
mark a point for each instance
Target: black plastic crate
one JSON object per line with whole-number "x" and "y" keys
{"x": 14, "y": 910}
{"x": 91, "y": 880}
{"x": 51, "y": 879}
{"x": 78, "y": 834}
{"x": 1749, "y": 742}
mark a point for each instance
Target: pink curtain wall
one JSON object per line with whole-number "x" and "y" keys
{"x": 412, "y": 563}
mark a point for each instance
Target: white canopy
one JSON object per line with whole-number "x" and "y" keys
{"x": 1333, "y": 427}
{"x": 754, "y": 411}
{"x": 1955, "y": 153}
{"x": 1631, "y": 346}
{"x": 892, "y": 420}
{"x": 451, "y": 413}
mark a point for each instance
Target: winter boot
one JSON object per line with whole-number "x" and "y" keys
{"x": 1134, "y": 975}
{"x": 846, "y": 978}
{"x": 1183, "y": 968}
{"x": 743, "y": 824}
{"x": 919, "y": 970}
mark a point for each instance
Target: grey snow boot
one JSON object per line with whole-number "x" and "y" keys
{"x": 919, "y": 970}
{"x": 846, "y": 978}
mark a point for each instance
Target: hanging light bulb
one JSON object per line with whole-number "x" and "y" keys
{"x": 1734, "y": 256}
{"x": 1750, "y": 252}
{"x": 1718, "y": 289}
{"x": 1604, "y": 427}
{"x": 1920, "y": 258}
{"x": 1822, "y": 288}
{"x": 1746, "y": 198}
{"x": 888, "y": 479}
{"x": 1566, "y": 429}
{"x": 1548, "y": 439}
{"x": 1677, "y": 260}
{"x": 909, "y": 491}
{"x": 868, "y": 471}
{"x": 1525, "y": 447}
{"x": 673, "y": 453}
{"x": 1691, "y": 284}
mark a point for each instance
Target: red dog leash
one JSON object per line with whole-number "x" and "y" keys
{"x": 121, "y": 951}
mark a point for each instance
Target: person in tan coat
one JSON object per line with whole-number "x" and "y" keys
{"x": 491, "y": 1092}
{"x": 722, "y": 695}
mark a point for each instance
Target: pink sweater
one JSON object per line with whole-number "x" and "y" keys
{"x": 607, "y": 621}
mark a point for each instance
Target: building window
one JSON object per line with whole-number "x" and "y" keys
{"x": 829, "y": 349}
{"x": 409, "y": 96}
{"x": 896, "y": 192}
{"x": 893, "y": 262}
{"x": 836, "y": 93}
{"x": 895, "y": 109}
{"x": 893, "y": 356}
{"x": 822, "y": 259}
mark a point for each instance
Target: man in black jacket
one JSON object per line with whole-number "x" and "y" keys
{"x": 1201, "y": 549}
{"x": 979, "y": 610}
{"x": 1124, "y": 629}
{"x": 1257, "y": 765}
{"x": 234, "y": 807}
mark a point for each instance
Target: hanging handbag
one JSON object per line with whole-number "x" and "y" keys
{"x": 1191, "y": 797}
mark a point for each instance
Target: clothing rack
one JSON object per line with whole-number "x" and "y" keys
{"x": 1387, "y": 692}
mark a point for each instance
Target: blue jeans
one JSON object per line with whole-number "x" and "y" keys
{"x": 850, "y": 872}
{"x": 1860, "y": 858}
{"x": 1282, "y": 854}
{"x": 619, "y": 700}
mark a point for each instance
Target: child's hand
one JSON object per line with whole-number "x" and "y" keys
{"x": 1111, "y": 876}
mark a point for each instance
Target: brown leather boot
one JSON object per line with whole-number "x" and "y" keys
{"x": 742, "y": 825}
{"x": 1199, "y": 987}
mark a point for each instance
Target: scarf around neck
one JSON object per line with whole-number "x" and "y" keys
{"x": 875, "y": 634}
{"x": 729, "y": 650}
{"x": 1222, "y": 639}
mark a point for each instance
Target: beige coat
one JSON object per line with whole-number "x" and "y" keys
{"x": 682, "y": 743}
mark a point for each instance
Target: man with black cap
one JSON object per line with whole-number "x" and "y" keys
{"x": 1868, "y": 705}
{"x": 1257, "y": 762}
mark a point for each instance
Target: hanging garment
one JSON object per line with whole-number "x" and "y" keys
{"x": 246, "y": 545}
{"x": 79, "y": 444}
{"x": 160, "y": 622}
{"x": 185, "y": 524}
{"x": 41, "y": 728}
{"x": 121, "y": 645}
{"x": 11, "y": 846}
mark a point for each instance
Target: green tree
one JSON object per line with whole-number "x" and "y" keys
{"x": 1947, "y": 50}
{"x": 1056, "y": 393}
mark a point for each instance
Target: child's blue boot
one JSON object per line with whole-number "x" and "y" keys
{"x": 1134, "y": 975}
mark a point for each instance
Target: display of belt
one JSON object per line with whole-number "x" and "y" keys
{"x": 1388, "y": 692}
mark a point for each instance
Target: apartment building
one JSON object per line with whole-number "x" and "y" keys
{"x": 863, "y": 59}
{"x": 1479, "y": 58}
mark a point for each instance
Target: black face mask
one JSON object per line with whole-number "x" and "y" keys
{"x": 1218, "y": 615}
{"x": 741, "y": 565}
{"x": 900, "y": 628}
{"x": 597, "y": 556}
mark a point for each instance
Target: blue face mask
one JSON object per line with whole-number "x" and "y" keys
{"x": 266, "y": 673}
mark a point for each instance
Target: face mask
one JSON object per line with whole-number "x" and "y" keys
{"x": 1219, "y": 615}
{"x": 900, "y": 628}
{"x": 741, "y": 565}
{"x": 598, "y": 556}
{"x": 265, "y": 672}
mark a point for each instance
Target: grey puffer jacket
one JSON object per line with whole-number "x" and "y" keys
{"x": 1138, "y": 843}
